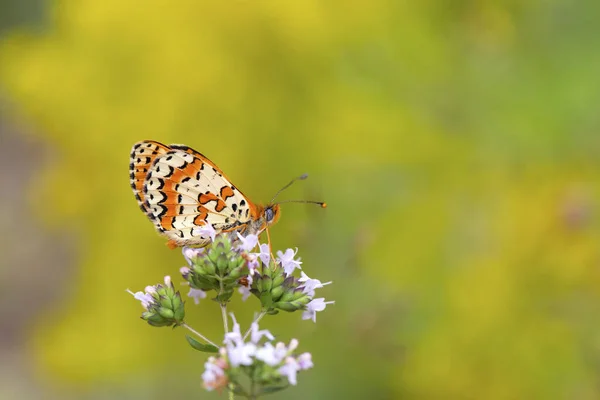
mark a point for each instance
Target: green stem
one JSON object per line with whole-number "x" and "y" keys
{"x": 198, "y": 334}
{"x": 223, "y": 309}
{"x": 224, "y": 315}
{"x": 257, "y": 319}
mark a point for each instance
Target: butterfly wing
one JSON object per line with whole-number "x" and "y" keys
{"x": 142, "y": 156}
{"x": 183, "y": 190}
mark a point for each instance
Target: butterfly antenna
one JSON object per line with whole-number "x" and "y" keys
{"x": 299, "y": 178}
{"x": 321, "y": 203}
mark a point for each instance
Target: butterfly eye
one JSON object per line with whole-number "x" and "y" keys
{"x": 269, "y": 214}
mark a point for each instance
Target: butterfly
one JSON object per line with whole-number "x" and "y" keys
{"x": 180, "y": 190}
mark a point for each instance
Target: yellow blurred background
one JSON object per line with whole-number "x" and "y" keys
{"x": 456, "y": 143}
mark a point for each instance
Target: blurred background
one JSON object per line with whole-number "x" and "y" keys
{"x": 457, "y": 144}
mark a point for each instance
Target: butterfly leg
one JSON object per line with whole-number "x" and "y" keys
{"x": 270, "y": 246}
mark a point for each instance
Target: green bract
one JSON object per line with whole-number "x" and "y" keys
{"x": 166, "y": 307}
{"x": 217, "y": 268}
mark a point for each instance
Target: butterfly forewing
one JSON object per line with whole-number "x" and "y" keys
{"x": 182, "y": 190}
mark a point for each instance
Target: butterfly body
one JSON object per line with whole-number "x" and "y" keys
{"x": 180, "y": 190}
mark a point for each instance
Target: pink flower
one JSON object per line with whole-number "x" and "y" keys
{"x": 311, "y": 284}
{"x": 287, "y": 260}
{"x": 315, "y": 306}
{"x": 247, "y": 243}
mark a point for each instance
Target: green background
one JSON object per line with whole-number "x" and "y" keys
{"x": 456, "y": 143}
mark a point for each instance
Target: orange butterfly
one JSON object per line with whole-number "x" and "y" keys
{"x": 180, "y": 190}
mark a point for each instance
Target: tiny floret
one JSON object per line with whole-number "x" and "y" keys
{"x": 252, "y": 265}
{"x": 265, "y": 254}
{"x": 256, "y": 335}
{"x": 191, "y": 253}
{"x": 144, "y": 298}
{"x": 247, "y": 243}
{"x": 197, "y": 295}
{"x": 315, "y": 306}
{"x": 287, "y": 260}
{"x": 245, "y": 292}
{"x": 214, "y": 375}
{"x": 290, "y": 369}
{"x": 310, "y": 284}
{"x": 305, "y": 361}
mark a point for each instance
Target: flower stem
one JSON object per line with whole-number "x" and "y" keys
{"x": 257, "y": 319}
{"x": 224, "y": 315}
{"x": 223, "y": 310}
{"x": 198, "y": 334}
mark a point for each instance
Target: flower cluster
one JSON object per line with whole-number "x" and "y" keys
{"x": 270, "y": 367}
{"x": 273, "y": 284}
{"x": 218, "y": 267}
{"x": 249, "y": 365}
{"x": 229, "y": 263}
{"x": 163, "y": 304}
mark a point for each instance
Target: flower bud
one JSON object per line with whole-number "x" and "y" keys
{"x": 267, "y": 283}
{"x": 278, "y": 279}
{"x": 288, "y": 295}
{"x": 163, "y": 304}
{"x": 287, "y": 306}
{"x": 276, "y": 293}
{"x": 166, "y": 313}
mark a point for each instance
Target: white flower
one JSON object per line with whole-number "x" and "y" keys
{"x": 256, "y": 335}
{"x": 191, "y": 253}
{"x": 289, "y": 369}
{"x": 247, "y": 243}
{"x": 206, "y": 231}
{"x": 241, "y": 353}
{"x": 235, "y": 336}
{"x": 252, "y": 265}
{"x": 311, "y": 284}
{"x": 238, "y": 352}
{"x": 197, "y": 295}
{"x": 244, "y": 291}
{"x": 267, "y": 354}
{"x": 305, "y": 361}
{"x": 315, "y": 306}
{"x": 145, "y": 298}
{"x": 287, "y": 260}
{"x": 213, "y": 376}
{"x": 265, "y": 253}
{"x": 150, "y": 289}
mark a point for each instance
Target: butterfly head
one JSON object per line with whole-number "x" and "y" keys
{"x": 271, "y": 214}
{"x": 266, "y": 216}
